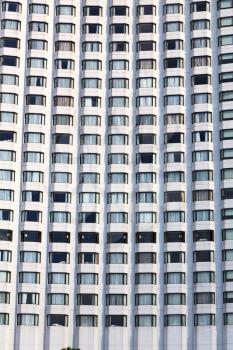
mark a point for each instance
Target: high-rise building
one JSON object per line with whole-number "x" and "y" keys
{"x": 116, "y": 174}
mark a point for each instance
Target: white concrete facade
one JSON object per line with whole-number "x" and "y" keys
{"x": 116, "y": 174}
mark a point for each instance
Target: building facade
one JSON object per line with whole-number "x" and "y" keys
{"x": 116, "y": 174}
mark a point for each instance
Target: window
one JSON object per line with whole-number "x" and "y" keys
{"x": 30, "y": 236}
{"x": 227, "y": 234}
{"x": 64, "y": 64}
{"x": 34, "y": 118}
{"x": 4, "y": 319}
{"x": 173, "y": 27}
{"x": 65, "y": 46}
{"x": 175, "y": 299}
{"x": 27, "y": 320}
{"x": 87, "y": 299}
{"x": 8, "y": 117}
{"x": 118, "y": 83}
{"x": 174, "y": 257}
{"x": 6, "y": 235}
{"x": 226, "y": 153}
{"x": 114, "y": 178}
{"x": 145, "y": 278}
{"x": 116, "y": 278}
{"x": 226, "y": 96}
{"x": 119, "y": 11}
{"x": 173, "y": 100}
{"x": 7, "y": 175}
{"x": 29, "y": 277}
{"x": 174, "y": 320}
{"x": 62, "y": 139}
{"x": 225, "y": 40}
{"x": 174, "y": 278}
{"x": 145, "y": 299}
{"x": 92, "y": 11}
{"x": 201, "y": 117}
{"x": 117, "y": 158}
{"x": 9, "y": 79}
{"x": 203, "y": 215}
{"x": 6, "y": 155}
{"x": 8, "y": 98}
{"x": 6, "y": 255}
{"x": 58, "y": 278}
{"x": 11, "y": 6}
{"x": 146, "y": 119}
{"x": 65, "y": 10}
{"x": 173, "y": 63}
{"x": 57, "y": 299}
{"x": 146, "y": 28}
{"x": 116, "y": 321}
{"x": 227, "y": 214}
{"x": 12, "y": 61}
{"x": 116, "y": 46}
{"x": 36, "y": 44}
{"x": 146, "y": 64}
{"x": 57, "y": 320}
{"x": 117, "y": 139}
{"x": 39, "y": 9}
{"x": 29, "y": 298}
{"x": 89, "y": 178}
{"x": 204, "y": 320}
{"x": 33, "y": 157}
{"x": 145, "y": 258}
{"x": 144, "y": 177}
{"x": 91, "y": 46}
{"x": 31, "y": 215}
{"x": 173, "y": 81}
{"x": 5, "y": 276}
{"x": 204, "y": 298}
{"x": 92, "y": 28}
{"x": 6, "y": 215}
{"x": 145, "y": 237}
{"x": 173, "y": 157}
{"x": 60, "y": 217}
{"x": 201, "y": 98}
{"x": 118, "y": 120}
{"x": 145, "y": 217}
{"x": 174, "y": 236}
{"x": 8, "y": 136}
{"x": 59, "y": 237}
{"x": 174, "y": 176}
{"x": 38, "y": 27}
{"x": 227, "y": 297}
{"x": 61, "y": 158}
{"x": 116, "y": 258}
{"x": 203, "y": 235}
{"x": 225, "y": 58}
{"x": 88, "y": 258}
{"x": 200, "y": 79}
{"x": 29, "y": 256}
{"x": 146, "y": 197}
{"x": 146, "y": 158}
{"x": 174, "y": 216}
{"x": 144, "y": 10}
{"x": 65, "y": 28}
{"x": 117, "y": 237}
{"x": 89, "y": 197}
{"x": 172, "y": 9}
{"x": 118, "y": 65}
{"x": 203, "y": 175}
{"x": 199, "y": 61}
{"x": 146, "y": 45}
{"x": 32, "y": 196}
{"x": 87, "y": 321}
{"x": 90, "y": 120}
{"x": 204, "y": 277}
{"x": 37, "y": 100}
{"x": 4, "y": 297}
{"x": 200, "y": 24}
{"x": 145, "y": 321}
{"x": 59, "y": 258}
{"x": 174, "y": 44}
{"x": 200, "y": 6}
{"x": 146, "y": 139}
{"x": 174, "y": 196}
{"x": 202, "y": 156}
{"x": 60, "y": 177}
{"x": 116, "y": 299}
{"x": 88, "y": 237}
{"x": 228, "y": 319}
{"x": 40, "y": 63}
{"x": 117, "y": 197}
{"x": 119, "y": 28}
{"x": 202, "y": 195}
{"x": 203, "y": 256}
